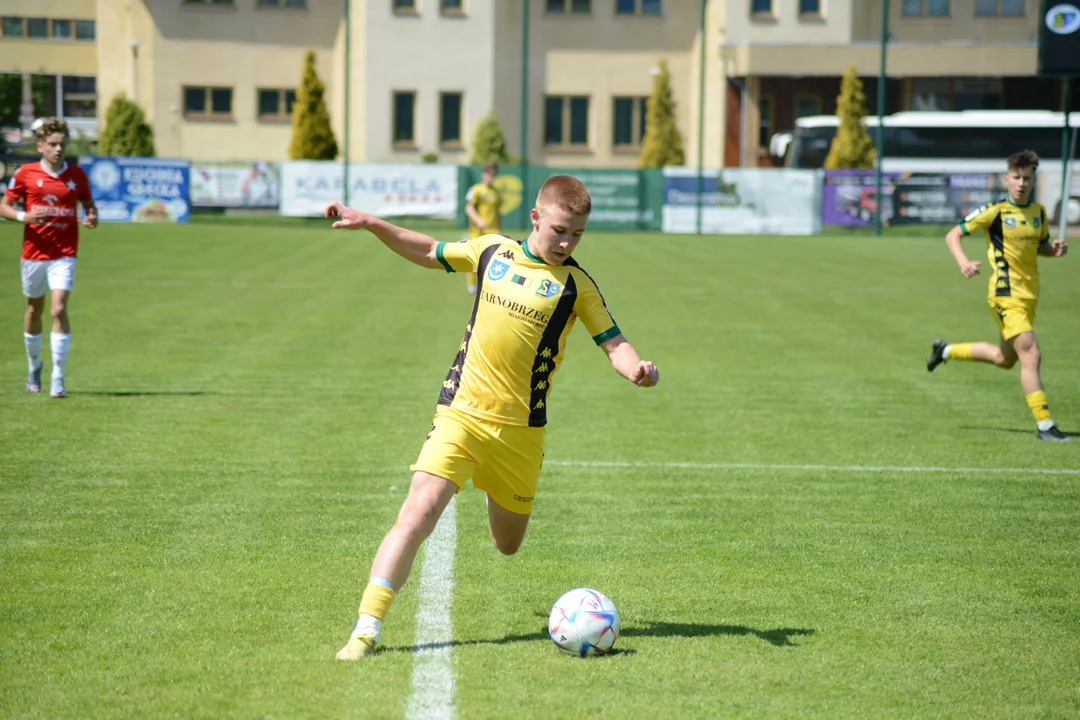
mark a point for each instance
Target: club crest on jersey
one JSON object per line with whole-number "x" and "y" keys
{"x": 1036, "y": 222}
{"x": 1010, "y": 222}
{"x": 497, "y": 271}
{"x": 548, "y": 289}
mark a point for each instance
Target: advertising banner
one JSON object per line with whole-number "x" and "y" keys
{"x": 385, "y": 190}
{"x": 772, "y": 201}
{"x": 622, "y": 200}
{"x": 251, "y": 185}
{"x": 139, "y": 189}
{"x": 849, "y": 197}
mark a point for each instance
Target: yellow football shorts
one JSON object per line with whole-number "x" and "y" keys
{"x": 503, "y": 460}
{"x": 1013, "y": 315}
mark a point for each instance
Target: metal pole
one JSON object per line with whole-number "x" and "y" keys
{"x": 1066, "y": 155}
{"x": 879, "y": 201}
{"x": 523, "y": 145}
{"x": 701, "y": 116}
{"x": 345, "y": 130}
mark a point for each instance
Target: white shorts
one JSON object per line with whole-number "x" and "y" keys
{"x": 38, "y": 276}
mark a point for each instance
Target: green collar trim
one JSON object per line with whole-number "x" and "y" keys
{"x": 529, "y": 254}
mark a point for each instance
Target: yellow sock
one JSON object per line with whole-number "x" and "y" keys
{"x": 960, "y": 351}
{"x": 376, "y": 601}
{"x": 1037, "y": 402}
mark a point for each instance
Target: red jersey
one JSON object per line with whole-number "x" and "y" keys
{"x": 58, "y": 194}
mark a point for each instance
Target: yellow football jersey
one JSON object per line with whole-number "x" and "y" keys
{"x": 488, "y": 203}
{"x": 1013, "y": 235}
{"x": 514, "y": 342}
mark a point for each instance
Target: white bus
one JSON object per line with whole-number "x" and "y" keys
{"x": 963, "y": 141}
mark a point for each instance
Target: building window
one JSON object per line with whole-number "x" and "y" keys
{"x": 407, "y": 7}
{"x": 61, "y": 29}
{"x": 80, "y": 95}
{"x": 208, "y": 103}
{"x": 450, "y": 119}
{"x": 765, "y": 122}
{"x": 629, "y": 114}
{"x": 992, "y": 8}
{"x": 276, "y": 104}
{"x": 452, "y": 7}
{"x": 577, "y": 7}
{"x": 13, "y": 26}
{"x": 956, "y": 94}
{"x": 85, "y": 29}
{"x": 404, "y": 118}
{"x": 807, "y": 105}
{"x": 928, "y": 8}
{"x": 283, "y": 3}
{"x": 637, "y": 7}
{"x": 810, "y": 7}
{"x": 761, "y": 8}
{"x": 566, "y": 121}
{"x": 37, "y": 27}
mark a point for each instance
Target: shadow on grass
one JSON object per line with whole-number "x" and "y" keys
{"x": 142, "y": 393}
{"x": 778, "y": 637}
{"x": 1017, "y": 431}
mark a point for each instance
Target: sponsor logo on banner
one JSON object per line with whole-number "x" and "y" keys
{"x": 139, "y": 189}
{"x": 307, "y": 187}
{"x": 1063, "y": 19}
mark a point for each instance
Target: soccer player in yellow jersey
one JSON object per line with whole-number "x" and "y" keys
{"x": 483, "y": 205}
{"x": 492, "y": 409}
{"x": 1016, "y": 233}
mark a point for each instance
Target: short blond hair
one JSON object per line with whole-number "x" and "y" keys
{"x": 565, "y": 192}
{"x": 51, "y": 126}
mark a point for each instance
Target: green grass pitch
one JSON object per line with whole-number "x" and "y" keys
{"x": 799, "y": 522}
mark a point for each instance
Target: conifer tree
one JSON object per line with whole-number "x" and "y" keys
{"x": 489, "y": 143}
{"x": 852, "y": 147}
{"x": 126, "y": 132}
{"x": 663, "y": 143}
{"x": 312, "y": 136}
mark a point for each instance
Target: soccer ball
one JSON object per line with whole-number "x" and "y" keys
{"x": 583, "y": 622}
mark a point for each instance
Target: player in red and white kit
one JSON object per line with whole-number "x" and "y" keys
{"x": 50, "y": 191}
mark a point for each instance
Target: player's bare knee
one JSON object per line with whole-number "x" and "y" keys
{"x": 58, "y": 310}
{"x": 507, "y": 546}
{"x": 1005, "y": 362}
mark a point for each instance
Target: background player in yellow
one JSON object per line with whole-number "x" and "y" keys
{"x": 483, "y": 205}
{"x": 1016, "y": 234}
{"x": 492, "y": 409}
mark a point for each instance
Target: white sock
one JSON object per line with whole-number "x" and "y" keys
{"x": 33, "y": 350}
{"x": 369, "y": 626}
{"x": 1045, "y": 425}
{"x": 945, "y": 353}
{"x": 60, "y": 344}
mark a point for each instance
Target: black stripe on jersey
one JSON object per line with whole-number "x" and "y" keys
{"x": 544, "y": 363}
{"x": 453, "y": 377}
{"x": 1002, "y": 288}
{"x": 573, "y": 263}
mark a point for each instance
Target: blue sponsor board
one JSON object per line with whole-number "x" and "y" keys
{"x": 140, "y": 189}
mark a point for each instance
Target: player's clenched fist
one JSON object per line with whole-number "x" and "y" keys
{"x": 645, "y": 374}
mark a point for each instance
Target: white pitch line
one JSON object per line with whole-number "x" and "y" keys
{"x": 432, "y": 695}
{"x": 830, "y": 468}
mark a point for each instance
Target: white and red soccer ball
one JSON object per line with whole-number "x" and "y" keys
{"x": 584, "y": 622}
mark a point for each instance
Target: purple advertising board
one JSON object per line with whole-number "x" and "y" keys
{"x": 849, "y": 197}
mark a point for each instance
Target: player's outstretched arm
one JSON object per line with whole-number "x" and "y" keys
{"x": 413, "y": 246}
{"x": 968, "y": 268}
{"x": 626, "y": 361}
